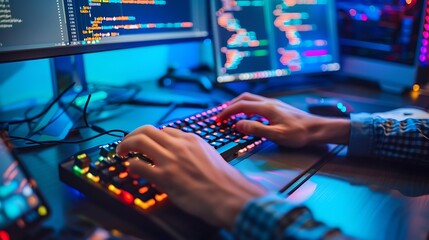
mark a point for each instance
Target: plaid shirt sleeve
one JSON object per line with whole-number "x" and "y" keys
{"x": 390, "y": 139}
{"x": 271, "y": 217}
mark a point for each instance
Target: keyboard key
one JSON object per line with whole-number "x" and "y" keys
{"x": 227, "y": 147}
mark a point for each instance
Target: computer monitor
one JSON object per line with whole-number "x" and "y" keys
{"x": 64, "y": 30}
{"x": 39, "y": 29}
{"x": 385, "y": 41}
{"x": 267, "y": 39}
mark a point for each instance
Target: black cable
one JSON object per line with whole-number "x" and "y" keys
{"x": 69, "y": 142}
{"x": 29, "y": 124}
{"x": 44, "y": 110}
{"x": 85, "y": 118}
{"x": 85, "y": 108}
{"x": 91, "y": 126}
{"x": 56, "y": 117}
{"x": 100, "y": 130}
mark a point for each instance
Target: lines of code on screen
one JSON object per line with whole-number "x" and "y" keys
{"x": 27, "y": 25}
{"x": 31, "y": 24}
{"x": 101, "y": 19}
{"x": 260, "y": 39}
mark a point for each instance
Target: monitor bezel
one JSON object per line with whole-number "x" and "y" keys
{"x": 389, "y": 80}
{"x": 33, "y": 54}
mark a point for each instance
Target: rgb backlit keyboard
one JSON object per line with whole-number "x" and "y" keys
{"x": 100, "y": 173}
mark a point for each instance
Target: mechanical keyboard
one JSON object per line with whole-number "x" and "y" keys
{"x": 102, "y": 175}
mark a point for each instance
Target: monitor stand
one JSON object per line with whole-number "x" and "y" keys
{"x": 32, "y": 121}
{"x": 53, "y": 126}
{"x": 71, "y": 69}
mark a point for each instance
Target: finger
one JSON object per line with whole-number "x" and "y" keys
{"x": 137, "y": 131}
{"x": 153, "y": 133}
{"x": 255, "y": 128}
{"x": 248, "y": 107}
{"x": 180, "y": 138}
{"x": 145, "y": 145}
{"x": 142, "y": 169}
{"x": 176, "y": 133}
{"x": 248, "y": 97}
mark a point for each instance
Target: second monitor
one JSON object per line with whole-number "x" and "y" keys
{"x": 263, "y": 39}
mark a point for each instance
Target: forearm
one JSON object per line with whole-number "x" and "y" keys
{"x": 329, "y": 130}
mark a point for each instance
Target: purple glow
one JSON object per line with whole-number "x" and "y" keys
{"x": 312, "y": 53}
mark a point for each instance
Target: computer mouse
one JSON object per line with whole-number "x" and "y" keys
{"x": 330, "y": 107}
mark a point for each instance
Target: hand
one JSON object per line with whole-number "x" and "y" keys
{"x": 195, "y": 177}
{"x": 288, "y": 126}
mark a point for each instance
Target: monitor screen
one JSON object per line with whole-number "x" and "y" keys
{"x": 46, "y": 28}
{"x": 389, "y": 35}
{"x": 383, "y": 30}
{"x": 264, "y": 39}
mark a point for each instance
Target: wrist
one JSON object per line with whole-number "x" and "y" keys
{"x": 329, "y": 130}
{"x": 230, "y": 207}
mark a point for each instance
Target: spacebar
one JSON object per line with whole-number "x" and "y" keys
{"x": 226, "y": 147}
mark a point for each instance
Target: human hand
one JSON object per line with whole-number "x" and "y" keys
{"x": 289, "y": 126}
{"x": 195, "y": 177}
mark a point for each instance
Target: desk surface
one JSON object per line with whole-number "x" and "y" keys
{"x": 369, "y": 199}
{"x": 351, "y": 194}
